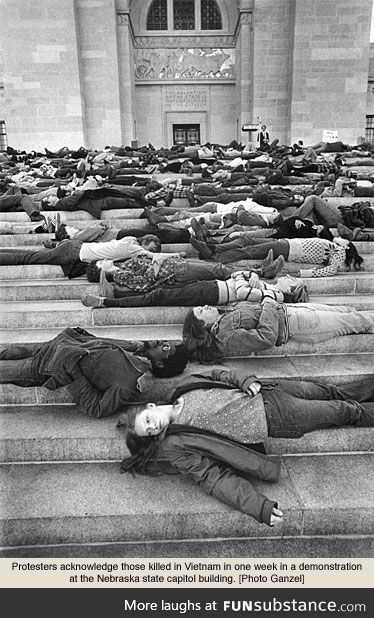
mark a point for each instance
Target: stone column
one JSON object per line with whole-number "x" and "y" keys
{"x": 126, "y": 80}
{"x": 245, "y": 66}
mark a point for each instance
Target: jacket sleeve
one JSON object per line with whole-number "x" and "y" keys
{"x": 238, "y": 378}
{"x": 223, "y": 483}
{"x": 70, "y": 201}
{"x": 262, "y": 337}
{"x": 95, "y": 403}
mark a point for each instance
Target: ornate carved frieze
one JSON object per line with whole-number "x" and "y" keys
{"x": 184, "y": 63}
{"x": 184, "y": 41}
{"x": 184, "y": 98}
{"x": 245, "y": 18}
{"x": 123, "y": 19}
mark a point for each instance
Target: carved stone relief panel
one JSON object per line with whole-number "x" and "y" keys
{"x": 185, "y": 98}
{"x": 184, "y": 63}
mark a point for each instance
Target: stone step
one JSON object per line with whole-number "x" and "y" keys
{"x": 347, "y": 288}
{"x": 331, "y": 367}
{"x": 63, "y": 313}
{"x": 345, "y": 283}
{"x": 61, "y": 433}
{"x": 79, "y": 503}
{"x": 55, "y": 272}
{"x": 76, "y": 215}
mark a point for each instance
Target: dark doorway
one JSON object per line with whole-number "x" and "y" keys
{"x": 186, "y": 134}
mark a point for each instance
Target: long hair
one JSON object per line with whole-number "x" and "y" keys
{"x": 352, "y": 258}
{"x": 143, "y": 450}
{"x": 201, "y": 344}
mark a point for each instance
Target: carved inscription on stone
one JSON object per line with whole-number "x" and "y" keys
{"x": 184, "y": 63}
{"x": 211, "y": 41}
{"x": 185, "y": 99}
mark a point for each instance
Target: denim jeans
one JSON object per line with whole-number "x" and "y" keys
{"x": 319, "y": 211}
{"x": 313, "y": 323}
{"x": 250, "y": 249}
{"x": 66, "y": 252}
{"x": 19, "y": 364}
{"x": 294, "y": 408}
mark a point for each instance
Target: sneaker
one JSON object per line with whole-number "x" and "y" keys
{"x": 271, "y": 271}
{"x": 268, "y": 261}
{"x": 204, "y": 252}
{"x": 358, "y": 234}
{"x": 90, "y": 300}
{"x": 198, "y": 230}
{"x": 57, "y": 222}
{"x": 153, "y": 217}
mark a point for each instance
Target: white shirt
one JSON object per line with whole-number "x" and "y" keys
{"x": 123, "y": 249}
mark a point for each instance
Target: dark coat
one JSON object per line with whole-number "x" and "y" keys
{"x": 98, "y": 388}
{"x": 222, "y": 467}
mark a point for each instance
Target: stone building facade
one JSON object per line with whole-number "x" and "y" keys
{"x": 103, "y": 72}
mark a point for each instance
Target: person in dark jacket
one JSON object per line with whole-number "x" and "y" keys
{"x": 212, "y": 418}
{"x": 102, "y": 375}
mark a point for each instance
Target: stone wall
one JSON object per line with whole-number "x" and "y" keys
{"x": 41, "y": 79}
{"x": 98, "y": 65}
{"x": 272, "y": 64}
{"x": 330, "y": 68}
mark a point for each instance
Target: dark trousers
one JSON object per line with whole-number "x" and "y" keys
{"x": 64, "y": 253}
{"x": 189, "y": 295}
{"x": 294, "y": 408}
{"x": 19, "y": 365}
{"x": 250, "y": 249}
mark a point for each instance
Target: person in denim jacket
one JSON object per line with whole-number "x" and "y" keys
{"x": 211, "y": 334}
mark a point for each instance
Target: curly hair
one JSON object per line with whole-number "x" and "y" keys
{"x": 147, "y": 238}
{"x": 174, "y": 365}
{"x": 201, "y": 344}
{"x": 93, "y": 272}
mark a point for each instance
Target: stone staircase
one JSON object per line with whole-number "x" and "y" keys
{"x": 63, "y": 494}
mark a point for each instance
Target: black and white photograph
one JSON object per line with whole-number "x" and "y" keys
{"x": 187, "y": 280}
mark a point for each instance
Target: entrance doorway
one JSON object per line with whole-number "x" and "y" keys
{"x": 186, "y": 134}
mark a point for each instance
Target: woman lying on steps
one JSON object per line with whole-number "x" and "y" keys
{"x": 216, "y": 422}
{"x": 212, "y": 334}
{"x": 243, "y": 285}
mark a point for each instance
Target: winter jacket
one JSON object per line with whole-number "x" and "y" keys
{"x": 222, "y": 467}
{"x": 99, "y": 388}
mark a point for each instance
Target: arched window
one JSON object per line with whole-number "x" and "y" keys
{"x": 210, "y": 15}
{"x": 184, "y": 14}
{"x": 157, "y": 18}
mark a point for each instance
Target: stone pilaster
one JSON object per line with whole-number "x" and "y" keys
{"x": 126, "y": 80}
{"x": 244, "y": 66}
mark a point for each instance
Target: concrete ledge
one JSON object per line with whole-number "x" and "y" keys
{"x": 93, "y": 502}
{"x": 339, "y": 546}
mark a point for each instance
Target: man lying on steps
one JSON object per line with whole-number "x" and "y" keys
{"x": 102, "y": 375}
